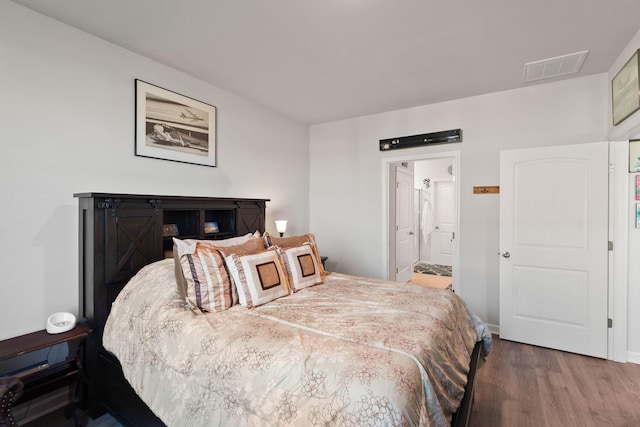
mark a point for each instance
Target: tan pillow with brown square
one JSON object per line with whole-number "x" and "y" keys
{"x": 294, "y": 241}
{"x": 301, "y": 266}
{"x": 259, "y": 278}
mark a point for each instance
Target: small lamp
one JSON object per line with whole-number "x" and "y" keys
{"x": 281, "y": 225}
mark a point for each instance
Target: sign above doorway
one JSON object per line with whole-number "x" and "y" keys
{"x": 442, "y": 137}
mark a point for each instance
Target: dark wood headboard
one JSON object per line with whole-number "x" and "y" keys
{"x": 121, "y": 233}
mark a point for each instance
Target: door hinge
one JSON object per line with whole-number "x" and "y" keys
{"x": 610, "y": 245}
{"x": 611, "y": 170}
{"x": 609, "y": 323}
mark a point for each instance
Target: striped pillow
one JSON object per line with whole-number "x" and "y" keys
{"x": 208, "y": 285}
{"x": 260, "y": 278}
{"x": 301, "y": 266}
{"x": 249, "y": 243}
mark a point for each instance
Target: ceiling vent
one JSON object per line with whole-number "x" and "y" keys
{"x": 554, "y": 67}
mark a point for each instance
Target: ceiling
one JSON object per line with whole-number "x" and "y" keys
{"x": 324, "y": 60}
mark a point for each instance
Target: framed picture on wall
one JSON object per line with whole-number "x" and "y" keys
{"x": 634, "y": 155}
{"x": 625, "y": 90}
{"x": 171, "y": 126}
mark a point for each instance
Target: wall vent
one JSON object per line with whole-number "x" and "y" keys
{"x": 554, "y": 67}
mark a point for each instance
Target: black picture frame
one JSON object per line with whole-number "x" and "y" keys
{"x": 625, "y": 90}
{"x": 174, "y": 127}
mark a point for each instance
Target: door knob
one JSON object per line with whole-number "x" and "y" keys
{"x": 437, "y": 227}
{"x": 506, "y": 254}
{"x": 411, "y": 233}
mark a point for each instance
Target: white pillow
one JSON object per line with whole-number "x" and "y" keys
{"x": 232, "y": 241}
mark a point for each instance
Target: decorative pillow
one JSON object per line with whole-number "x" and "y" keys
{"x": 232, "y": 241}
{"x": 260, "y": 278}
{"x": 207, "y": 283}
{"x": 249, "y": 243}
{"x": 223, "y": 243}
{"x": 301, "y": 266}
{"x": 294, "y": 241}
{"x": 251, "y": 246}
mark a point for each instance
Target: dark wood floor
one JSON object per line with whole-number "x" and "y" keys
{"x": 526, "y": 386}
{"x": 522, "y": 385}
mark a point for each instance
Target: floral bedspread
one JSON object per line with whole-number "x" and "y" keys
{"x": 350, "y": 352}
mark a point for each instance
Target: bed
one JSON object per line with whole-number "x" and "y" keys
{"x": 346, "y": 351}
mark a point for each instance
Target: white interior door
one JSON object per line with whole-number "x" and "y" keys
{"x": 442, "y": 234}
{"x": 553, "y": 242}
{"x": 404, "y": 224}
{"x": 416, "y": 225}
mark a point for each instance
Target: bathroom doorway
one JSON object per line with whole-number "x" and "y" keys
{"x": 435, "y": 217}
{"x": 434, "y": 185}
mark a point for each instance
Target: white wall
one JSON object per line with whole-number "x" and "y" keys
{"x": 346, "y": 173}
{"x": 67, "y": 115}
{"x": 435, "y": 170}
{"x": 629, "y": 129}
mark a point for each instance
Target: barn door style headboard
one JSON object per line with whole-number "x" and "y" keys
{"x": 121, "y": 233}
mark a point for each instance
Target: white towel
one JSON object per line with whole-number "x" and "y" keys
{"x": 427, "y": 220}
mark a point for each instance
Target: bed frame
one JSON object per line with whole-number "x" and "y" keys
{"x": 121, "y": 233}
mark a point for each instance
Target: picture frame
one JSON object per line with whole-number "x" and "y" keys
{"x": 638, "y": 187}
{"x": 174, "y": 127}
{"x": 211, "y": 227}
{"x": 170, "y": 230}
{"x": 637, "y": 215}
{"x": 625, "y": 90}
{"x": 634, "y": 155}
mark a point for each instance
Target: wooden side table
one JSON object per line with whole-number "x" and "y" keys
{"x": 46, "y": 378}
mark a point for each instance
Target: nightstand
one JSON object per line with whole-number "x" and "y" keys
{"x": 45, "y": 378}
{"x": 322, "y": 260}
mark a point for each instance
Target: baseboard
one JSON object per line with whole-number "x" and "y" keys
{"x": 41, "y": 406}
{"x": 495, "y": 329}
{"x": 633, "y": 357}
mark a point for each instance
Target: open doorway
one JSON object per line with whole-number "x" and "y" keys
{"x": 435, "y": 226}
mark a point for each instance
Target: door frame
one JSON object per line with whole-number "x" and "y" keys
{"x": 417, "y": 210}
{"x": 389, "y": 231}
{"x": 619, "y": 213}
